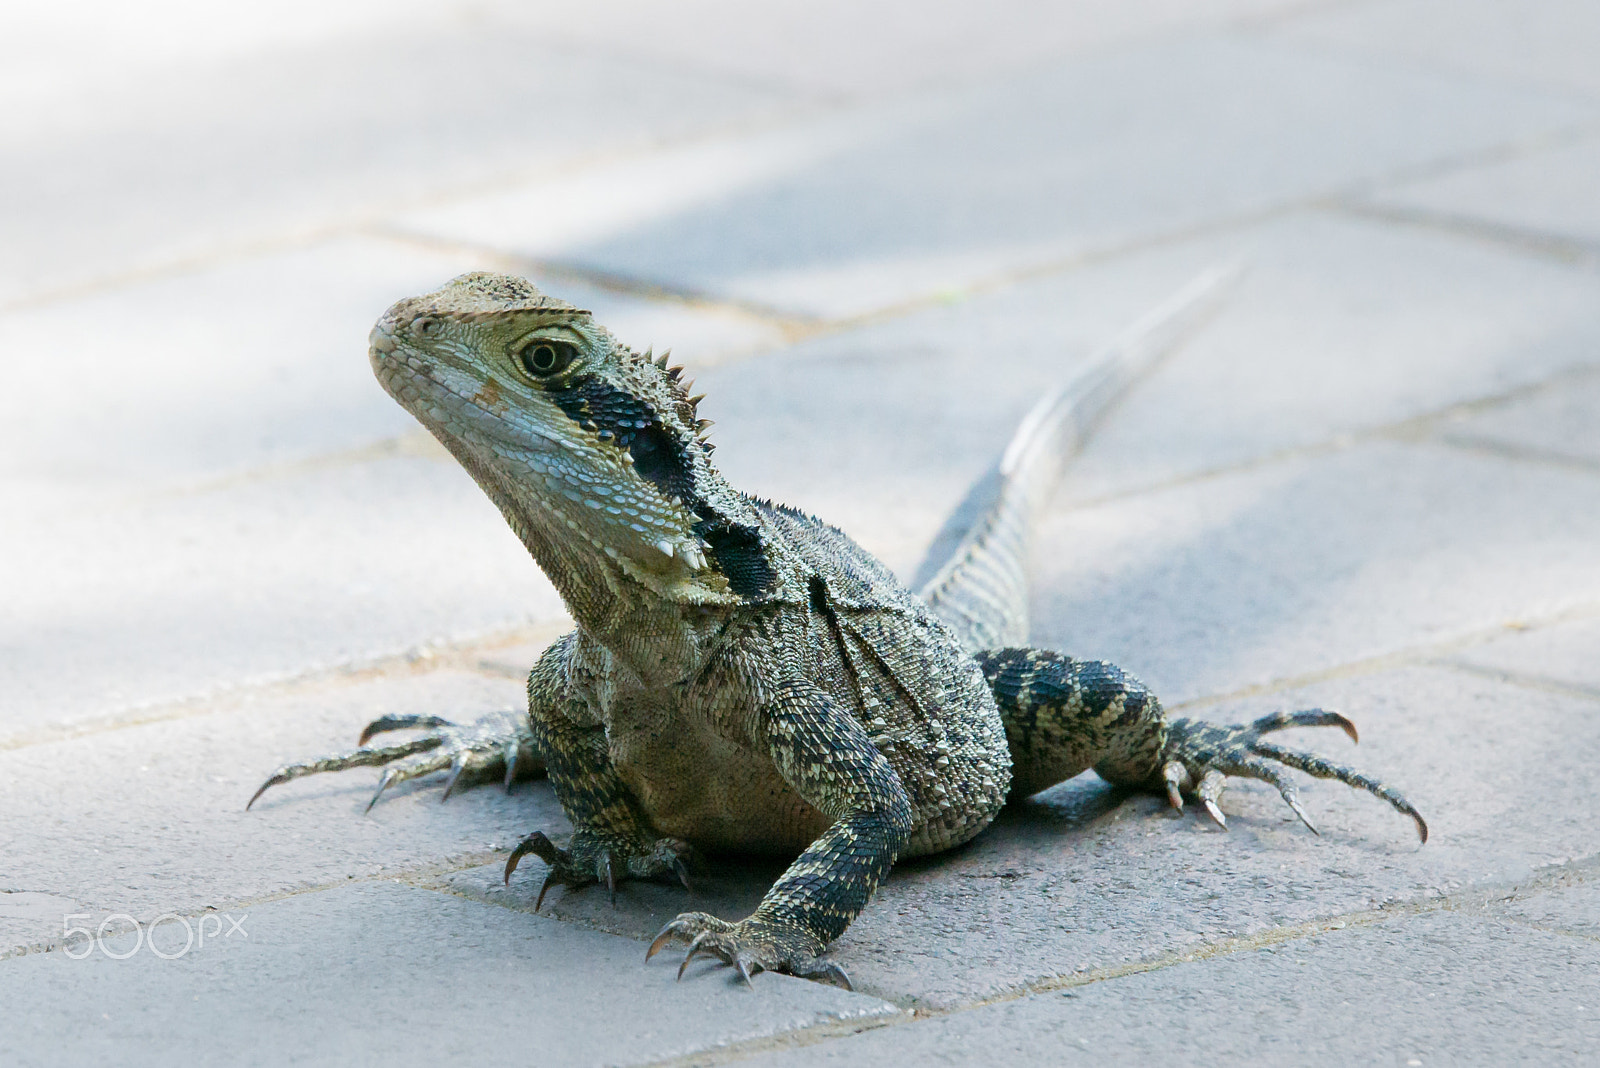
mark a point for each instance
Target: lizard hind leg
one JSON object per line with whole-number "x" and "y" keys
{"x": 1063, "y": 716}
{"x": 498, "y": 745}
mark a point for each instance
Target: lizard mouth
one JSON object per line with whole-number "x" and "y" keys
{"x": 418, "y": 389}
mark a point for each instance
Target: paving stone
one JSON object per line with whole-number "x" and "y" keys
{"x": 1560, "y": 423}
{"x": 1182, "y": 132}
{"x": 1086, "y": 877}
{"x": 150, "y": 818}
{"x": 1435, "y": 989}
{"x": 1220, "y": 584}
{"x": 1564, "y": 653}
{"x": 381, "y": 972}
{"x": 297, "y": 134}
{"x": 117, "y": 605}
{"x": 1550, "y": 43}
{"x": 1339, "y": 327}
{"x": 1550, "y": 192}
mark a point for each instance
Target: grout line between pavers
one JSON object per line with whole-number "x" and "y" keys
{"x": 792, "y": 325}
{"x": 460, "y": 654}
{"x": 1474, "y": 904}
{"x": 1542, "y": 244}
{"x": 1507, "y": 450}
{"x": 1413, "y": 429}
{"x": 1430, "y": 653}
{"x": 1517, "y": 923}
{"x": 289, "y": 236}
{"x": 1518, "y": 678}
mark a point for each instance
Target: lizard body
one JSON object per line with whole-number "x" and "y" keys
{"x": 743, "y": 676}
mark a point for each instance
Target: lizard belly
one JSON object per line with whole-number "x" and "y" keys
{"x": 716, "y": 794}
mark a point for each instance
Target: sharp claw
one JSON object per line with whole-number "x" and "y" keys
{"x": 1176, "y": 775}
{"x": 1210, "y": 789}
{"x": 1349, "y": 728}
{"x": 395, "y": 723}
{"x": 829, "y": 971}
{"x": 1294, "y": 803}
{"x": 548, "y": 880}
{"x": 277, "y": 779}
{"x": 682, "y": 871}
{"x": 1422, "y": 827}
{"x": 611, "y": 879}
{"x": 511, "y": 763}
{"x": 534, "y": 843}
{"x": 511, "y": 864}
{"x": 1216, "y": 813}
{"x": 744, "y": 971}
{"x": 695, "y": 948}
{"x": 457, "y": 766}
{"x": 665, "y": 935}
{"x": 383, "y": 784}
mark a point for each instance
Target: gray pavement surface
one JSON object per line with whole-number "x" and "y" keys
{"x": 875, "y": 234}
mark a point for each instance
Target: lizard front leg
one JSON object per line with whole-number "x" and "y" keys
{"x": 829, "y": 760}
{"x": 611, "y": 839}
{"x": 1063, "y": 716}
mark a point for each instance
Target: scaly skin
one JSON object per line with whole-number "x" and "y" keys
{"x": 742, "y": 676}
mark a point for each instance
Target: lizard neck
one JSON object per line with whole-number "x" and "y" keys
{"x": 661, "y": 629}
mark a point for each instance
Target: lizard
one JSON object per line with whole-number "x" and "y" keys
{"x": 744, "y": 677}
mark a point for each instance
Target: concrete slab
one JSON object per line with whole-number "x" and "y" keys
{"x": 1220, "y": 584}
{"x": 1550, "y": 193}
{"x": 297, "y": 134}
{"x": 1183, "y": 133}
{"x": 382, "y": 972}
{"x": 1550, "y": 43}
{"x": 151, "y": 818}
{"x": 1085, "y": 878}
{"x": 1435, "y": 989}
{"x": 118, "y": 605}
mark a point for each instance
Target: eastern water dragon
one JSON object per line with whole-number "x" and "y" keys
{"x": 744, "y": 677}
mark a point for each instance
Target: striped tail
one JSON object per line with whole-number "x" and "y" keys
{"x": 981, "y": 590}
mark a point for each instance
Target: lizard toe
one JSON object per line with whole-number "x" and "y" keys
{"x": 752, "y": 945}
{"x": 1207, "y": 753}
{"x": 496, "y": 744}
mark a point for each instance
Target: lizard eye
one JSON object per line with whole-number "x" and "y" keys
{"x": 542, "y": 358}
{"x": 425, "y": 326}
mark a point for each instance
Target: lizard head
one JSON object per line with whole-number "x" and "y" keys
{"x": 593, "y": 452}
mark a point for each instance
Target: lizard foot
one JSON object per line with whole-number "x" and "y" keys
{"x": 1202, "y": 755}
{"x": 752, "y": 945}
{"x": 498, "y": 743}
{"x": 592, "y": 857}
